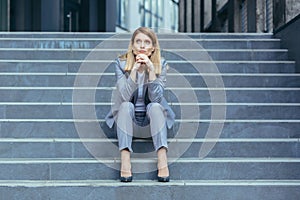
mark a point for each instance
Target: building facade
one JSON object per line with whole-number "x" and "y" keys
{"x": 87, "y": 15}
{"x": 236, "y": 15}
{"x": 157, "y": 14}
{"x": 58, "y": 15}
{"x": 163, "y": 15}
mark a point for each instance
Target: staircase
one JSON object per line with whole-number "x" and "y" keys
{"x": 236, "y": 97}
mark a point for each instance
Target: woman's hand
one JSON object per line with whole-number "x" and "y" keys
{"x": 136, "y": 66}
{"x": 144, "y": 60}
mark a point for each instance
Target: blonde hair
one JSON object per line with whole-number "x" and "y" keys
{"x": 155, "y": 56}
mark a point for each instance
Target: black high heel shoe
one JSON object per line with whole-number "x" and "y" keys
{"x": 163, "y": 179}
{"x": 126, "y": 179}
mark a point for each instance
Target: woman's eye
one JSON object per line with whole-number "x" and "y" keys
{"x": 138, "y": 41}
{"x": 147, "y": 42}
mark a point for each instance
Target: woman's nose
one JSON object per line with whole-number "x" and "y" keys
{"x": 142, "y": 44}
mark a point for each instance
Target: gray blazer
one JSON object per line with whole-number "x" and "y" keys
{"x": 126, "y": 91}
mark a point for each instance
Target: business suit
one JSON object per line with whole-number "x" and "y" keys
{"x": 125, "y": 97}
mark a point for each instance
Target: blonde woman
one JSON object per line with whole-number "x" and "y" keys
{"x": 139, "y": 104}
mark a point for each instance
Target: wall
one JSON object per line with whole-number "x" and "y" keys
{"x": 289, "y": 35}
{"x": 292, "y": 9}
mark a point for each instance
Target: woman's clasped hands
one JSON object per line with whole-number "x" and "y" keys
{"x": 143, "y": 63}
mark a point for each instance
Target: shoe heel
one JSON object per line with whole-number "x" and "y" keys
{"x": 163, "y": 179}
{"x": 126, "y": 179}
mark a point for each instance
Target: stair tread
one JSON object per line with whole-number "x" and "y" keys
{"x": 139, "y": 183}
{"x": 151, "y": 160}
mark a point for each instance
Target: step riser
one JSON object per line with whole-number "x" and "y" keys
{"x": 184, "y": 44}
{"x": 232, "y": 112}
{"x": 173, "y": 81}
{"x": 71, "y": 67}
{"x": 233, "y": 96}
{"x": 171, "y": 55}
{"x": 104, "y": 150}
{"x": 152, "y": 192}
{"x": 178, "y": 171}
{"x": 67, "y": 130}
{"x": 128, "y": 35}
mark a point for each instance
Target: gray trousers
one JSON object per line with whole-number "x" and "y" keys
{"x": 128, "y": 127}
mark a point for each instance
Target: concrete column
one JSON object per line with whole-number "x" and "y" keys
{"x": 4, "y": 15}
{"x": 182, "y": 16}
{"x": 251, "y": 15}
{"x": 188, "y": 16}
{"x": 51, "y": 15}
{"x": 231, "y": 17}
{"x": 166, "y": 17}
{"x": 196, "y": 17}
{"x": 93, "y": 15}
{"x": 111, "y": 15}
{"x": 134, "y": 16}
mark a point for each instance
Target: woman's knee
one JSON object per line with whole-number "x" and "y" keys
{"x": 154, "y": 108}
{"x": 126, "y": 106}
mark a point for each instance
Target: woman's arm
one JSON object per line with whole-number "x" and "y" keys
{"x": 125, "y": 85}
{"x": 156, "y": 87}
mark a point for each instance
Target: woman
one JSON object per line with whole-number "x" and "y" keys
{"x": 139, "y": 101}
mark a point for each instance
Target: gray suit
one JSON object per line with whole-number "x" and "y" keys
{"x": 125, "y": 97}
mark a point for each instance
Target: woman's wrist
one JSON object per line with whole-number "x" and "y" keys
{"x": 151, "y": 67}
{"x": 152, "y": 75}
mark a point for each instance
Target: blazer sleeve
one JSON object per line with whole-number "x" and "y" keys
{"x": 125, "y": 85}
{"x": 156, "y": 87}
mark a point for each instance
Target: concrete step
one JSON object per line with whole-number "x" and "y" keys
{"x": 181, "y": 43}
{"x": 72, "y": 66}
{"x": 149, "y": 190}
{"x": 47, "y": 153}
{"x": 185, "y": 148}
{"x": 169, "y": 54}
{"x": 180, "y": 169}
{"x": 232, "y": 129}
{"x": 75, "y": 35}
{"x": 63, "y": 95}
{"x": 173, "y": 79}
{"x": 233, "y": 112}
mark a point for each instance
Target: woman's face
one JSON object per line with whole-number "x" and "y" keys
{"x": 142, "y": 44}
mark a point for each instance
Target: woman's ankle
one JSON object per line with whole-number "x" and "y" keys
{"x": 125, "y": 163}
{"x": 162, "y": 162}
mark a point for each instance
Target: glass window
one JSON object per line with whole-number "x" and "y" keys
{"x": 122, "y": 7}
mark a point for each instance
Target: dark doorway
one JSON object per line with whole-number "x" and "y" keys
{"x": 71, "y": 15}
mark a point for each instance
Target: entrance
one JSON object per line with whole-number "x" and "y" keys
{"x": 58, "y": 15}
{"x": 71, "y": 15}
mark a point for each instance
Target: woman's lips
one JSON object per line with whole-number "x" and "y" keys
{"x": 142, "y": 51}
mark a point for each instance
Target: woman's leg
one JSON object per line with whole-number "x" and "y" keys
{"x": 162, "y": 163}
{"x": 125, "y": 163}
{"x": 124, "y": 133}
{"x": 125, "y": 125}
{"x": 159, "y": 135}
{"x": 158, "y": 128}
